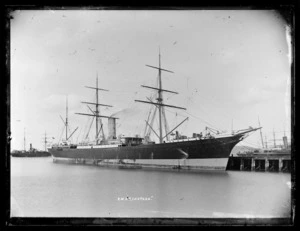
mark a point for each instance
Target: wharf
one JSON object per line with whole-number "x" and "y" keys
{"x": 260, "y": 162}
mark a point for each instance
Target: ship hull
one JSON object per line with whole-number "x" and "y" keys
{"x": 201, "y": 154}
{"x": 31, "y": 154}
{"x": 208, "y": 164}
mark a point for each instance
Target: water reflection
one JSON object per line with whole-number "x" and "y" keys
{"x": 42, "y": 189}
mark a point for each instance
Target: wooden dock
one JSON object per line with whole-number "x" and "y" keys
{"x": 260, "y": 162}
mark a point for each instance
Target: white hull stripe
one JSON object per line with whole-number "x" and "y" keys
{"x": 205, "y": 164}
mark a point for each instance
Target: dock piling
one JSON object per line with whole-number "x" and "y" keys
{"x": 252, "y": 164}
{"x": 260, "y": 162}
{"x": 242, "y": 165}
{"x": 266, "y": 164}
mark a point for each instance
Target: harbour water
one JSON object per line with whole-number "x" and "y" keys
{"x": 41, "y": 188}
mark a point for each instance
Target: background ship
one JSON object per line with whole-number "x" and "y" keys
{"x": 32, "y": 152}
{"x": 208, "y": 151}
{"x": 284, "y": 148}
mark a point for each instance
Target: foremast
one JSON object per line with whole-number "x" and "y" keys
{"x": 159, "y": 104}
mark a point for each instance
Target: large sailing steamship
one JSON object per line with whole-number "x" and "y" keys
{"x": 197, "y": 153}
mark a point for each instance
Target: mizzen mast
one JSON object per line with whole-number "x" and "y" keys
{"x": 66, "y": 123}
{"x": 159, "y": 104}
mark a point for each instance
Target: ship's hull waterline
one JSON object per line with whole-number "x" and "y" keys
{"x": 200, "y": 154}
{"x": 215, "y": 164}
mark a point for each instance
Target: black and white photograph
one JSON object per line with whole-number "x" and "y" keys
{"x": 151, "y": 113}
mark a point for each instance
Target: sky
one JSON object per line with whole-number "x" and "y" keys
{"x": 230, "y": 67}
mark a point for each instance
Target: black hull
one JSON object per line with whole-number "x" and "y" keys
{"x": 195, "y": 149}
{"x": 31, "y": 154}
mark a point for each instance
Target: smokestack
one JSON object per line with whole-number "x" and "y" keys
{"x": 285, "y": 142}
{"x": 112, "y": 134}
{"x": 30, "y": 146}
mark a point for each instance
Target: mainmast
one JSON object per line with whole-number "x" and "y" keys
{"x": 160, "y": 99}
{"x": 96, "y": 113}
{"x": 159, "y": 104}
{"x": 97, "y": 109}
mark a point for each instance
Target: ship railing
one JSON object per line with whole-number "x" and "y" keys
{"x": 98, "y": 146}
{"x": 202, "y": 138}
{"x": 182, "y": 140}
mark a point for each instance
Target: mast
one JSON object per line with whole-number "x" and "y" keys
{"x": 67, "y": 118}
{"x": 159, "y": 104}
{"x": 65, "y": 122}
{"x": 45, "y": 142}
{"x": 97, "y": 109}
{"x": 24, "y": 141}
{"x": 159, "y": 100}
{"x": 262, "y": 142}
{"x": 96, "y": 113}
{"x": 274, "y": 139}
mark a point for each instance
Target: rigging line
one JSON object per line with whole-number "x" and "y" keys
{"x": 208, "y": 114}
{"x": 247, "y": 142}
{"x": 217, "y": 125}
{"x": 269, "y": 131}
{"x": 204, "y": 121}
{"x": 78, "y": 135}
{"x": 175, "y": 113}
{"x": 194, "y": 117}
{"x": 70, "y": 131}
{"x": 85, "y": 128}
{"x": 89, "y": 128}
{"x": 226, "y": 114}
{"x": 152, "y": 120}
{"x": 252, "y": 145}
{"x": 202, "y": 96}
{"x": 144, "y": 115}
{"x": 145, "y": 131}
{"x": 166, "y": 123}
{"x": 61, "y": 134}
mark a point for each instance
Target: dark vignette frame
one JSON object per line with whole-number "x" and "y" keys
{"x": 286, "y": 10}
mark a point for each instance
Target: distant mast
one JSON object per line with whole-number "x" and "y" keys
{"x": 261, "y": 137}
{"x": 159, "y": 104}
{"x": 66, "y": 118}
{"x": 24, "y": 141}
{"x": 274, "y": 138}
{"x": 45, "y": 141}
